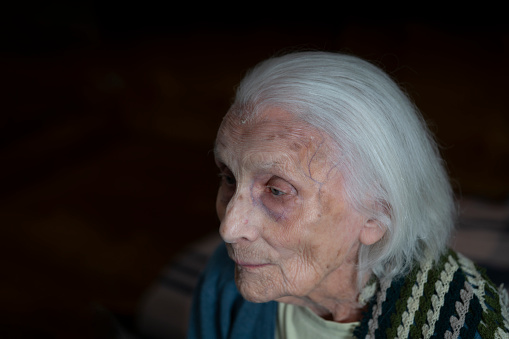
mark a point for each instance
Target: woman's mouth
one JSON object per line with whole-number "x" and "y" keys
{"x": 250, "y": 265}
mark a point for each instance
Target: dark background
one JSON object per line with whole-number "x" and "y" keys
{"x": 109, "y": 111}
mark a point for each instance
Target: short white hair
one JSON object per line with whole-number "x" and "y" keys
{"x": 391, "y": 165}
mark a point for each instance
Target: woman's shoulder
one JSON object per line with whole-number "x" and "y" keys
{"x": 464, "y": 302}
{"x": 449, "y": 297}
{"x": 479, "y": 298}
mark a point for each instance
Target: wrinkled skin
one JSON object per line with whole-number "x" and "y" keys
{"x": 284, "y": 218}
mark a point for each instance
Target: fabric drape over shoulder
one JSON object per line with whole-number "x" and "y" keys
{"x": 220, "y": 311}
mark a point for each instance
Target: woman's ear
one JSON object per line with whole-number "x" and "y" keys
{"x": 371, "y": 232}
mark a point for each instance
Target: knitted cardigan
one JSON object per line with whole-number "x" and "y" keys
{"x": 451, "y": 298}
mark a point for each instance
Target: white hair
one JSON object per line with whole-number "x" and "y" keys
{"x": 391, "y": 166}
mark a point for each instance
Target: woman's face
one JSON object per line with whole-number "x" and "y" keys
{"x": 282, "y": 209}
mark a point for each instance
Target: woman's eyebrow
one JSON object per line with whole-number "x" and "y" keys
{"x": 270, "y": 165}
{"x": 279, "y": 164}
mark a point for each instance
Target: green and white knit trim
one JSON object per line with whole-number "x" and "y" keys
{"x": 451, "y": 298}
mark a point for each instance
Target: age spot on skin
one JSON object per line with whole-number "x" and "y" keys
{"x": 295, "y": 146}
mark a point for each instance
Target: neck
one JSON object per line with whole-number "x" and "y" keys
{"x": 337, "y": 301}
{"x": 341, "y": 312}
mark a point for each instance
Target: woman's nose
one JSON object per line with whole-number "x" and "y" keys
{"x": 236, "y": 225}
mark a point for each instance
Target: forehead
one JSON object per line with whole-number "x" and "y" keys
{"x": 274, "y": 138}
{"x": 271, "y": 125}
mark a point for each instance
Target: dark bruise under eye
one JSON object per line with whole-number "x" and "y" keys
{"x": 279, "y": 198}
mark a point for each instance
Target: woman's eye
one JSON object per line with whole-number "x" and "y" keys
{"x": 229, "y": 180}
{"x": 275, "y": 191}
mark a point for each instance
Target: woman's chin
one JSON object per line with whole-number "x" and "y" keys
{"x": 255, "y": 294}
{"x": 256, "y": 285}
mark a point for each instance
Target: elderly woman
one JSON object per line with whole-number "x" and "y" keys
{"x": 335, "y": 212}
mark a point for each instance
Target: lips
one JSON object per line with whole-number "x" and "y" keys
{"x": 244, "y": 258}
{"x": 250, "y": 265}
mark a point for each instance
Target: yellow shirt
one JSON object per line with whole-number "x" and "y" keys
{"x": 295, "y": 322}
